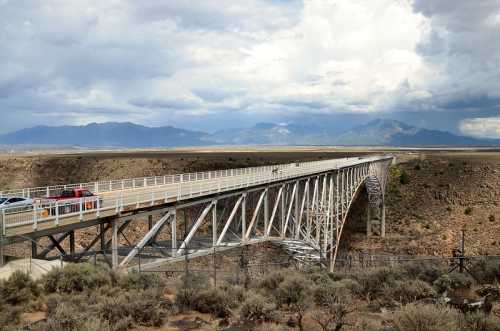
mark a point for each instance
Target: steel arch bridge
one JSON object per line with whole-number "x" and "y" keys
{"x": 302, "y": 207}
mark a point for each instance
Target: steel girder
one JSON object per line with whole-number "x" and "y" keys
{"x": 305, "y": 216}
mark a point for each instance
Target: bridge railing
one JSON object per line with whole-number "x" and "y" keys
{"x": 180, "y": 187}
{"x": 131, "y": 183}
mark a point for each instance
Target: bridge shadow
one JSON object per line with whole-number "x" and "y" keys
{"x": 354, "y": 231}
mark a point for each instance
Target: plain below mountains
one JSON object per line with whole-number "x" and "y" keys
{"x": 379, "y": 132}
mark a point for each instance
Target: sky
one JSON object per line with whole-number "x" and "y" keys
{"x": 210, "y": 65}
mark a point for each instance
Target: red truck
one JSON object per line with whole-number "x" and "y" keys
{"x": 69, "y": 201}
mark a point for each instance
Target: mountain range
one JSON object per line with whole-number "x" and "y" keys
{"x": 379, "y": 132}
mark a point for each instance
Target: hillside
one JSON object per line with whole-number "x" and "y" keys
{"x": 379, "y": 132}
{"x": 396, "y": 133}
{"x": 105, "y": 135}
{"x": 446, "y": 192}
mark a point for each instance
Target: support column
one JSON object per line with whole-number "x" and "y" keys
{"x": 114, "y": 244}
{"x": 266, "y": 211}
{"x": 284, "y": 195}
{"x": 214, "y": 223}
{"x": 102, "y": 238}
{"x": 297, "y": 208}
{"x": 150, "y": 222}
{"x": 72, "y": 243}
{"x": 174, "y": 232}
{"x": 244, "y": 217}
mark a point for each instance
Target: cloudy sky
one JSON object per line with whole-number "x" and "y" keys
{"x": 227, "y": 63}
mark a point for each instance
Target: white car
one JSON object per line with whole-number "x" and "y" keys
{"x": 12, "y": 202}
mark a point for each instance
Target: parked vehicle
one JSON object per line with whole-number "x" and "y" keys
{"x": 70, "y": 201}
{"x": 16, "y": 202}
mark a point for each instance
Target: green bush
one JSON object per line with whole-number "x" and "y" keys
{"x": 235, "y": 294}
{"x": 271, "y": 281}
{"x": 18, "y": 288}
{"x": 141, "y": 281}
{"x": 185, "y": 298}
{"x": 257, "y": 308}
{"x": 452, "y": 282}
{"x": 140, "y": 307}
{"x": 468, "y": 211}
{"x": 423, "y": 270}
{"x": 479, "y": 322}
{"x": 76, "y": 278}
{"x": 409, "y": 291}
{"x": 372, "y": 282}
{"x": 9, "y": 315}
{"x": 486, "y": 270}
{"x": 404, "y": 178}
{"x": 293, "y": 289}
{"x": 329, "y": 293}
{"x": 213, "y": 301}
{"x": 425, "y": 318}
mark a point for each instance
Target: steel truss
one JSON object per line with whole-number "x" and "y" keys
{"x": 304, "y": 215}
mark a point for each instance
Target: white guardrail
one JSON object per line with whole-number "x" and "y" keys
{"x": 116, "y": 196}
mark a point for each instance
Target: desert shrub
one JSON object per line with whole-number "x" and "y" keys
{"x": 452, "y": 282}
{"x": 468, "y": 211}
{"x": 257, "y": 308}
{"x": 185, "y": 298}
{"x": 140, "y": 307}
{"x": 76, "y": 278}
{"x": 331, "y": 292}
{"x": 404, "y": 178}
{"x": 352, "y": 285}
{"x": 141, "y": 281}
{"x": 66, "y": 317}
{"x": 95, "y": 324}
{"x": 195, "y": 281}
{"x": 9, "y": 315}
{"x": 235, "y": 294}
{"x": 294, "y": 289}
{"x": 213, "y": 301}
{"x": 425, "y": 318}
{"x": 18, "y": 288}
{"x": 372, "y": 282}
{"x": 409, "y": 291}
{"x": 426, "y": 271}
{"x": 486, "y": 270}
{"x": 319, "y": 276}
{"x": 491, "y": 218}
{"x": 332, "y": 317}
{"x": 479, "y": 322}
{"x": 271, "y": 281}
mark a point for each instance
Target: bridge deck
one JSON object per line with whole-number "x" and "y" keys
{"x": 117, "y": 199}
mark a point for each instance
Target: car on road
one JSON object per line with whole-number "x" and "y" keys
{"x": 16, "y": 203}
{"x": 71, "y": 201}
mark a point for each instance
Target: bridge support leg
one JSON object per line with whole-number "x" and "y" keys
{"x": 34, "y": 250}
{"x": 72, "y": 243}
{"x": 382, "y": 220}
{"x": 114, "y": 244}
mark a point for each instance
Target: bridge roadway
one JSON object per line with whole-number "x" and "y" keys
{"x": 113, "y": 200}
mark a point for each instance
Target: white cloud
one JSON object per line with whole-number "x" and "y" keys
{"x": 481, "y": 127}
{"x": 156, "y": 61}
